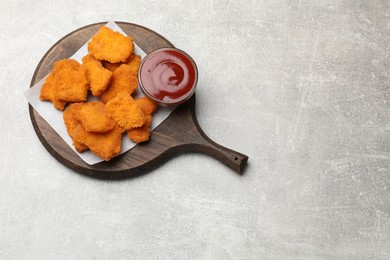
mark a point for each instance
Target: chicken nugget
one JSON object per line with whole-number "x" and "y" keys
{"x": 126, "y": 111}
{"x": 70, "y": 81}
{"x": 65, "y": 64}
{"x": 122, "y": 81}
{"x": 105, "y": 145}
{"x": 97, "y": 76}
{"x": 47, "y": 93}
{"x": 88, "y": 57}
{"x": 111, "y": 66}
{"x": 94, "y": 116}
{"x": 110, "y": 46}
{"x": 147, "y": 105}
{"x": 141, "y": 134}
{"x": 71, "y": 123}
{"x": 134, "y": 63}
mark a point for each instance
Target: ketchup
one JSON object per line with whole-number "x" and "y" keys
{"x": 168, "y": 76}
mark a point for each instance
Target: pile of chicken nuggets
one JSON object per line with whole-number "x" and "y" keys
{"x": 108, "y": 72}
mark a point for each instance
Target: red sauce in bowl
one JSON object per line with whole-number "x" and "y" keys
{"x": 168, "y": 76}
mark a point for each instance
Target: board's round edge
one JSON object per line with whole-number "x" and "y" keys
{"x": 94, "y": 173}
{"x": 145, "y": 28}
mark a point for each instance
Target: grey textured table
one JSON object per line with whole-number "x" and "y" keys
{"x": 302, "y": 87}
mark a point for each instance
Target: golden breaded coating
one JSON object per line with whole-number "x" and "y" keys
{"x": 147, "y": 105}
{"x": 70, "y": 81}
{"x": 111, "y": 66}
{"x": 47, "y": 90}
{"x": 94, "y": 116}
{"x": 110, "y": 46}
{"x": 66, "y": 64}
{"x": 121, "y": 81}
{"x": 141, "y": 134}
{"x": 105, "y": 145}
{"x": 47, "y": 93}
{"x": 134, "y": 63}
{"x": 88, "y": 57}
{"x": 71, "y": 123}
{"x": 98, "y": 77}
{"x": 126, "y": 111}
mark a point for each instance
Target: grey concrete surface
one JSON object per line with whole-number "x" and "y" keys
{"x": 302, "y": 87}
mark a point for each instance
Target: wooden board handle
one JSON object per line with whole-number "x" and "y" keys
{"x": 156, "y": 151}
{"x": 233, "y": 159}
{"x": 186, "y": 135}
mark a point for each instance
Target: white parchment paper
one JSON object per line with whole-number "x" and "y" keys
{"x": 54, "y": 116}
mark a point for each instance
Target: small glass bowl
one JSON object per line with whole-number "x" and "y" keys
{"x": 153, "y": 56}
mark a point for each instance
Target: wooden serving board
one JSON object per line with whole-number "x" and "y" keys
{"x": 179, "y": 133}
